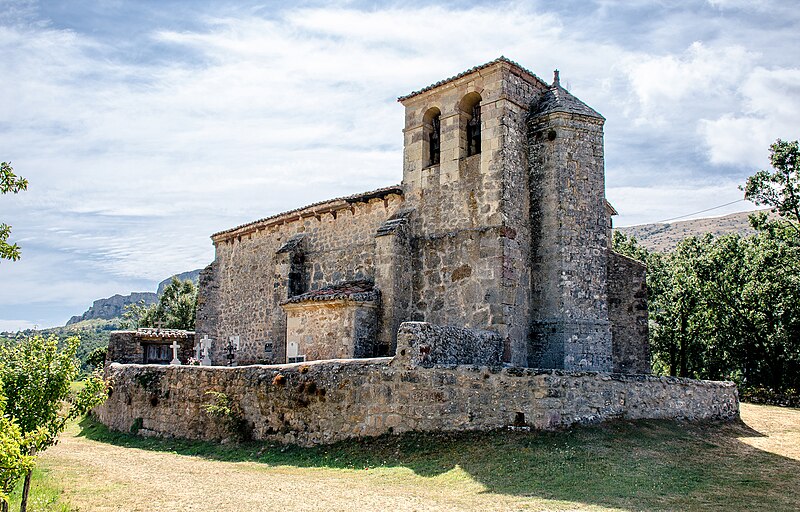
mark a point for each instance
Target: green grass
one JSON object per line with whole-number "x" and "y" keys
{"x": 653, "y": 465}
{"x": 44, "y": 495}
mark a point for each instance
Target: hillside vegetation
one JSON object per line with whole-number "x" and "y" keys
{"x": 665, "y": 237}
{"x": 93, "y": 334}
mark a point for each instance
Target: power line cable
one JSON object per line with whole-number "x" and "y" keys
{"x": 701, "y": 211}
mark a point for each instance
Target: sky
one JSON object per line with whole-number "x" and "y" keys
{"x": 144, "y": 127}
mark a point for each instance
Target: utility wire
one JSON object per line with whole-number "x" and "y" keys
{"x": 701, "y": 211}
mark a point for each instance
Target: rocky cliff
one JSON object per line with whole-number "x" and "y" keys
{"x": 114, "y": 306}
{"x": 192, "y": 275}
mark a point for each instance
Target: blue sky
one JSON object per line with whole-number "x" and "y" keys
{"x": 144, "y": 127}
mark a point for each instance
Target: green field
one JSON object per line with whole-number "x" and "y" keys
{"x": 753, "y": 464}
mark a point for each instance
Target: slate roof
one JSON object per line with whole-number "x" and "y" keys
{"x": 472, "y": 70}
{"x": 359, "y": 291}
{"x": 558, "y": 99}
{"x": 326, "y": 206}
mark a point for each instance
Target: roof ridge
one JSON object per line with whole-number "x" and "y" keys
{"x": 351, "y": 198}
{"x": 501, "y": 58}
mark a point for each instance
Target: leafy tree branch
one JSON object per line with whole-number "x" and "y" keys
{"x": 9, "y": 182}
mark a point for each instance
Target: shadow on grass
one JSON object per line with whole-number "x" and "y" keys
{"x": 633, "y": 465}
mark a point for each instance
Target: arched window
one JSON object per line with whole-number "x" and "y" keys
{"x": 474, "y": 131}
{"x": 471, "y": 119}
{"x": 432, "y": 129}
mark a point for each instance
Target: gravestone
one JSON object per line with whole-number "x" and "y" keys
{"x": 231, "y": 348}
{"x": 205, "y": 344}
{"x": 175, "y": 346}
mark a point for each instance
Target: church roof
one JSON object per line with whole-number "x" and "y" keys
{"x": 312, "y": 209}
{"x": 467, "y": 72}
{"x": 359, "y": 291}
{"x": 558, "y": 99}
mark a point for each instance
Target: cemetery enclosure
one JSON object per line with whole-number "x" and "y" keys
{"x": 326, "y": 401}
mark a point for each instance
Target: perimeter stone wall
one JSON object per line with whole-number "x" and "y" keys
{"x": 327, "y": 401}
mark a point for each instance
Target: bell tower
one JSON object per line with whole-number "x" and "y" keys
{"x": 465, "y": 174}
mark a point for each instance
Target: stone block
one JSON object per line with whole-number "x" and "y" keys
{"x": 426, "y": 345}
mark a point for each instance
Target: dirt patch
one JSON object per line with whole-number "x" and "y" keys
{"x": 103, "y": 477}
{"x": 631, "y": 466}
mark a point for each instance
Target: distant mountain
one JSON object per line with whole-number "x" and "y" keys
{"x": 665, "y": 237}
{"x": 192, "y": 275}
{"x": 113, "y": 306}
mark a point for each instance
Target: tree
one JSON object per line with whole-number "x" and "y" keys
{"x": 780, "y": 188}
{"x": 35, "y": 377}
{"x": 729, "y": 307}
{"x": 13, "y": 461}
{"x": 725, "y": 308}
{"x": 176, "y": 308}
{"x": 97, "y": 357}
{"x": 9, "y": 182}
{"x": 629, "y": 246}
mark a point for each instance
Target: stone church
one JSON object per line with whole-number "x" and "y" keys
{"x": 500, "y": 224}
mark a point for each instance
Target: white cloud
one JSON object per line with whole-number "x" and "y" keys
{"x": 701, "y": 77}
{"x": 753, "y": 5}
{"x": 137, "y": 152}
{"x": 16, "y": 325}
{"x": 770, "y": 110}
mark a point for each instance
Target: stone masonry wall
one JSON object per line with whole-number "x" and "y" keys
{"x": 428, "y": 345}
{"x": 250, "y": 281}
{"x": 455, "y": 278}
{"x": 471, "y": 235}
{"x": 627, "y": 312}
{"x": 515, "y": 269}
{"x": 207, "y": 316}
{"x": 336, "y": 329}
{"x": 124, "y": 347}
{"x": 127, "y": 346}
{"x": 569, "y": 257}
{"x": 328, "y": 401}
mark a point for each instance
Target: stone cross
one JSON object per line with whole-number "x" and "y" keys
{"x": 175, "y": 348}
{"x": 206, "y": 350}
{"x": 159, "y": 325}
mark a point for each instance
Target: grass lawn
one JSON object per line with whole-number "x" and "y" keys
{"x": 45, "y": 494}
{"x": 647, "y": 465}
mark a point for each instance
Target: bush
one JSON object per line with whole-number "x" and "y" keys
{"x": 230, "y": 413}
{"x": 769, "y": 396}
{"x": 97, "y": 357}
